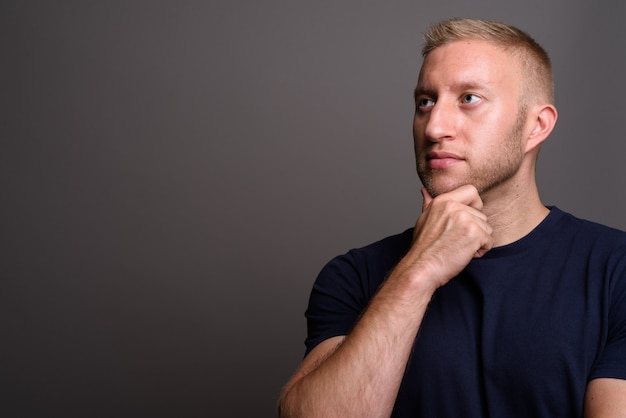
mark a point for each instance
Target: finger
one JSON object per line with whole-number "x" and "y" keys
{"x": 427, "y": 198}
{"x": 483, "y": 250}
{"x": 468, "y": 195}
{"x": 480, "y": 252}
{"x": 485, "y": 247}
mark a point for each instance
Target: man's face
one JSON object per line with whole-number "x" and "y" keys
{"x": 468, "y": 126}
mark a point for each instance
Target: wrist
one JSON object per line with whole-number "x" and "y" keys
{"x": 421, "y": 276}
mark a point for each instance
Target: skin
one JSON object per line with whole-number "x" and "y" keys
{"x": 470, "y": 128}
{"x": 442, "y": 117}
{"x": 476, "y": 154}
{"x": 606, "y": 398}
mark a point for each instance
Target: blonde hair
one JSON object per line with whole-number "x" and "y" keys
{"x": 533, "y": 58}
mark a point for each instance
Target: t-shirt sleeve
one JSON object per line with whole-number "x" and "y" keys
{"x": 612, "y": 362}
{"x": 336, "y": 301}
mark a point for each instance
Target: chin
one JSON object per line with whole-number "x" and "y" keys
{"x": 437, "y": 186}
{"x": 442, "y": 181}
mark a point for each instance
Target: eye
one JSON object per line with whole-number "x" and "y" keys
{"x": 424, "y": 103}
{"x": 470, "y": 99}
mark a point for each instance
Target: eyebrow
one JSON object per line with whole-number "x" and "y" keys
{"x": 419, "y": 91}
{"x": 462, "y": 86}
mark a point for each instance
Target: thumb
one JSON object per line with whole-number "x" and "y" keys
{"x": 427, "y": 198}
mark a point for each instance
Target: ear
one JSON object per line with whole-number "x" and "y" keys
{"x": 544, "y": 119}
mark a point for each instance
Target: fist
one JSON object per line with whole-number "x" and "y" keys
{"x": 450, "y": 232}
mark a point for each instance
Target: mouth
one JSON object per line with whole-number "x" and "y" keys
{"x": 437, "y": 160}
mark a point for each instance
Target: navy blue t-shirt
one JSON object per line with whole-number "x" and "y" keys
{"x": 518, "y": 333}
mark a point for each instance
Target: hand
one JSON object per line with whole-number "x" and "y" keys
{"x": 450, "y": 232}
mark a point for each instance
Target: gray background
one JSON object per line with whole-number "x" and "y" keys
{"x": 175, "y": 174}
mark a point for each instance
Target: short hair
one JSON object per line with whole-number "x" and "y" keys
{"x": 533, "y": 57}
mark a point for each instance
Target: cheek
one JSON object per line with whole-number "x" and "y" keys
{"x": 490, "y": 128}
{"x": 418, "y": 133}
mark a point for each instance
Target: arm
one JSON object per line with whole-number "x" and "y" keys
{"x": 606, "y": 398}
{"x": 360, "y": 374}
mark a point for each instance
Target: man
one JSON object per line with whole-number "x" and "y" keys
{"x": 494, "y": 304}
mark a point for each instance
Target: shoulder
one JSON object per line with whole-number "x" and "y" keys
{"x": 384, "y": 251}
{"x": 346, "y": 283}
{"x": 394, "y": 244}
{"x": 598, "y": 249}
{"x": 366, "y": 266}
{"x": 588, "y": 232}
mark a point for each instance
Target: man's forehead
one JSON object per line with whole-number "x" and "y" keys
{"x": 464, "y": 51}
{"x": 430, "y": 88}
{"x": 466, "y": 64}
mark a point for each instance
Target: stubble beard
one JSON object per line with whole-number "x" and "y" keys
{"x": 485, "y": 175}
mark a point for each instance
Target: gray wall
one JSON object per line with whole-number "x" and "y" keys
{"x": 175, "y": 174}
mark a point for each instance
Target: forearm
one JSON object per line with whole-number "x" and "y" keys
{"x": 362, "y": 376}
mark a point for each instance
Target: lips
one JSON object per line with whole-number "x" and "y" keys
{"x": 440, "y": 159}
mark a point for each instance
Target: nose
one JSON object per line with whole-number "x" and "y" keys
{"x": 440, "y": 122}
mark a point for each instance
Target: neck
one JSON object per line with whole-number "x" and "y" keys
{"x": 514, "y": 214}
